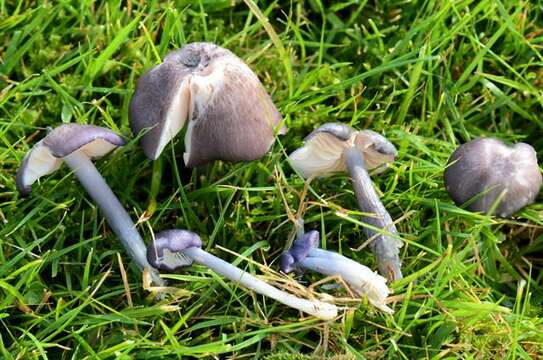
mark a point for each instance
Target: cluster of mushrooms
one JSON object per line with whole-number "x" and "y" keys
{"x": 214, "y": 95}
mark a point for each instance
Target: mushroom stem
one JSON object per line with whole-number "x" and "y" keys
{"x": 385, "y": 247}
{"x": 336, "y": 264}
{"x": 114, "y": 212}
{"x": 316, "y": 308}
{"x": 305, "y": 254}
{"x": 359, "y": 277}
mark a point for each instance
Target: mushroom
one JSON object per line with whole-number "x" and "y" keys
{"x": 171, "y": 248}
{"x": 77, "y": 145}
{"x": 488, "y": 175}
{"x": 230, "y": 115}
{"x": 337, "y": 147}
{"x": 305, "y": 254}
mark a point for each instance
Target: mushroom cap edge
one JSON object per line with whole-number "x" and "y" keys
{"x": 46, "y": 156}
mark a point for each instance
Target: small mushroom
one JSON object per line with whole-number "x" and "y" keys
{"x": 77, "y": 145}
{"x": 487, "y": 174}
{"x": 171, "y": 248}
{"x": 305, "y": 254}
{"x": 230, "y": 115}
{"x": 337, "y": 147}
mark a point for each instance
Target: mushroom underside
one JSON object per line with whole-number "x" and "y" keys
{"x": 40, "y": 161}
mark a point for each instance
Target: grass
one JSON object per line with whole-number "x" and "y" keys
{"x": 427, "y": 74}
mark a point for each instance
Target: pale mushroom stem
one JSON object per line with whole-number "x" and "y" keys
{"x": 316, "y": 308}
{"x": 332, "y": 264}
{"x": 115, "y": 214}
{"x": 360, "y": 279}
{"x": 305, "y": 255}
{"x": 384, "y": 246}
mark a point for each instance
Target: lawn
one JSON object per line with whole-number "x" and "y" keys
{"x": 429, "y": 75}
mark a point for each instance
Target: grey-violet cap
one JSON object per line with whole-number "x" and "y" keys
{"x": 322, "y": 153}
{"x": 487, "y": 171}
{"x": 47, "y": 155}
{"x": 299, "y": 250}
{"x": 230, "y": 115}
{"x": 165, "y": 252}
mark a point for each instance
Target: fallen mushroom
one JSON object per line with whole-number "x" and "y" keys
{"x": 489, "y": 175}
{"x": 337, "y": 147}
{"x": 230, "y": 115}
{"x": 77, "y": 145}
{"x": 170, "y": 249}
{"x": 305, "y": 254}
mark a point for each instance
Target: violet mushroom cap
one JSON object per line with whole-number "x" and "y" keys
{"x": 230, "y": 115}
{"x": 165, "y": 252}
{"x": 489, "y": 171}
{"x": 47, "y": 155}
{"x": 323, "y": 150}
{"x": 305, "y": 254}
{"x": 162, "y": 253}
{"x": 299, "y": 251}
{"x": 77, "y": 145}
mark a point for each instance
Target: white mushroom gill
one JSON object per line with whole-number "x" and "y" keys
{"x": 188, "y": 142}
{"x": 176, "y": 116}
{"x": 320, "y": 156}
{"x": 97, "y": 148}
{"x": 40, "y": 163}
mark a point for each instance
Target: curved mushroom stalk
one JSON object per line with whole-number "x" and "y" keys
{"x": 493, "y": 175}
{"x": 305, "y": 254}
{"x": 76, "y": 145}
{"x": 171, "y": 249}
{"x": 385, "y": 247}
{"x": 336, "y": 147}
{"x": 230, "y": 115}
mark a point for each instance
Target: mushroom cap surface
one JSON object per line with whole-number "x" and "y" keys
{"x": 486, "y": 168}
{"x": 166, "y": 251}
{"x": 47, "y": 155}
{"x": 299, "y": 250}
{"x": 322, "y": 153}
{"x": 230, "y": 115}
